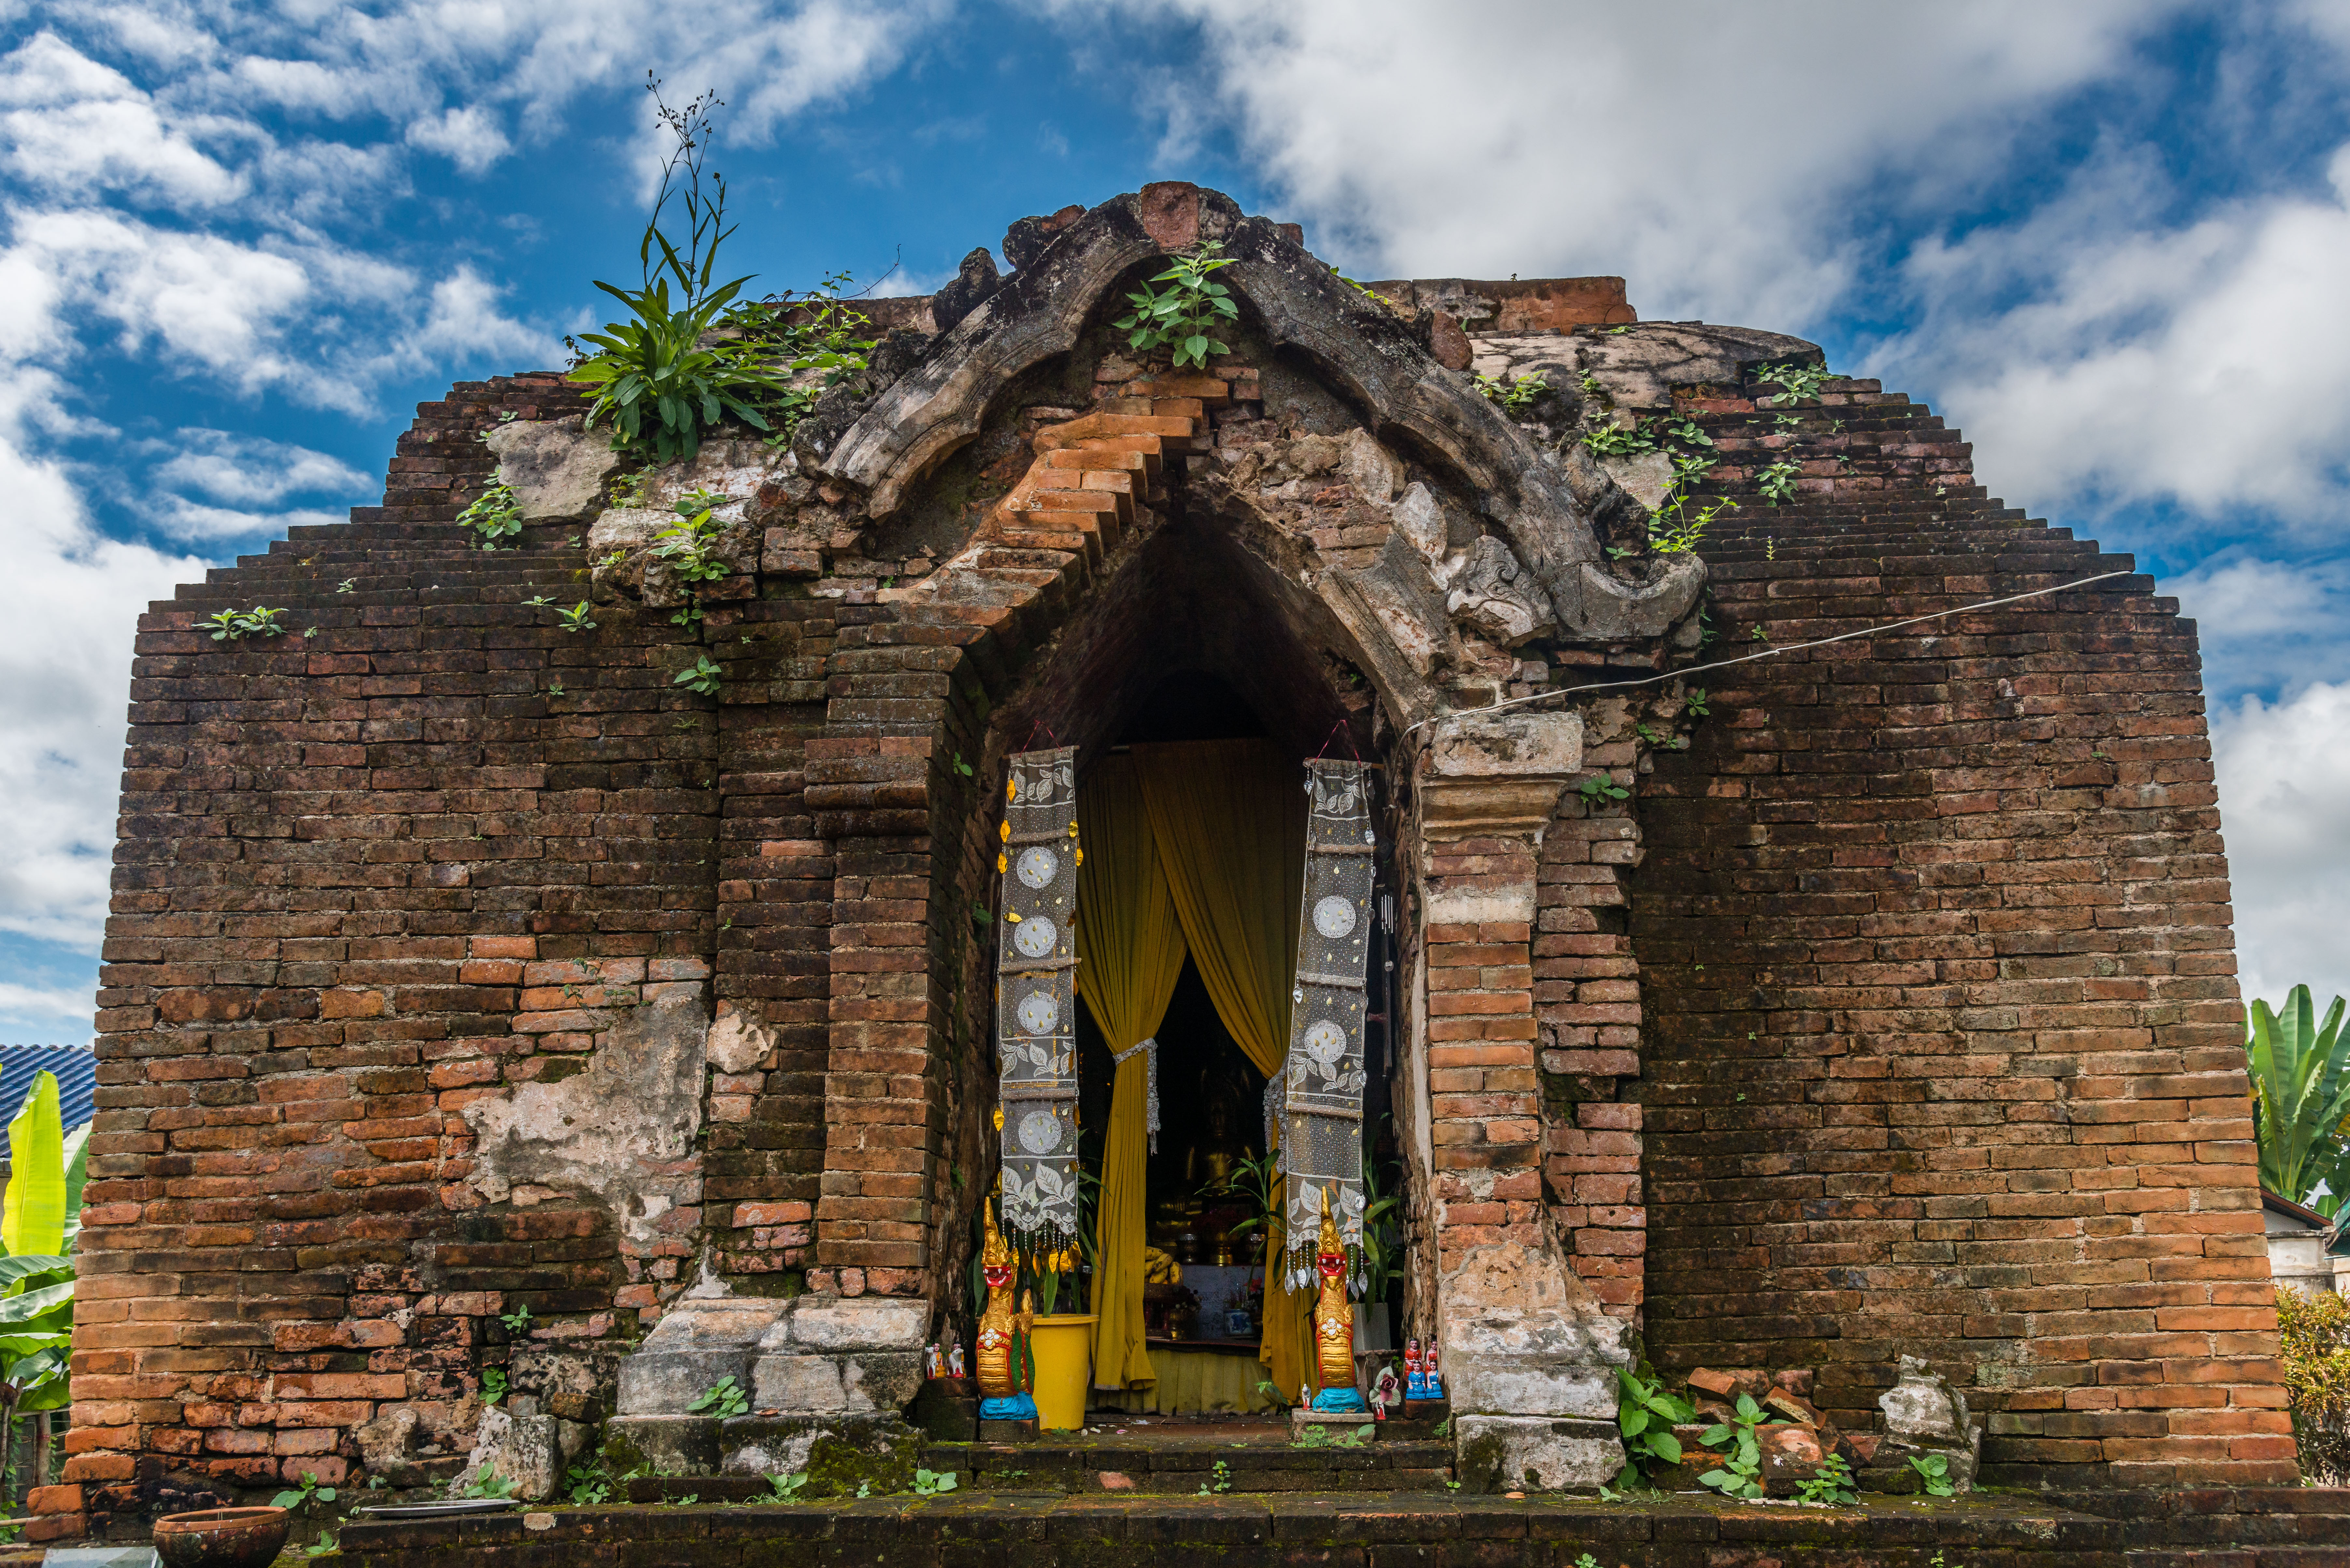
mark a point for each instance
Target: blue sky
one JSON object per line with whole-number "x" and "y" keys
{"x": 238, "y": 242}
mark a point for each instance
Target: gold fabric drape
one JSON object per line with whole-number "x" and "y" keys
{"x": 1229, "y": 817}
{"x": 1132, "y": 947}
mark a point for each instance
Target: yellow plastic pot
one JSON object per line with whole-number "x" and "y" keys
{"x": 1064, "y": 1347}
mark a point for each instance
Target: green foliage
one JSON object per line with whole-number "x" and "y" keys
{"x": 659, "y": 384}
{"x": 584, "y": 1486}
{"x": 1514, "y": 396}
{"x": 702, "y": 676}
{"x": 690, "y": 544}
{"x": 1180, "y": 316}
{"x": 1600, "y": 788}
{"x": 325, "y": 1546}
{"x": 815, "y": 331}
{"x": 1796, "y": 382}
{"x": 1673, "y": 528}
{"x": 1319, "y": 1435}
{"x": 39, "y": 1221}
{"x": 303, "y": 1497}
{"x": 2301, "y": 1097}
{"x": 575, "y": 618}
{"x": 1252, "y": 1181}
{"x": 1619, "y": 441}
{"x": 487, "y": 1483}
{"x": 1382, "y": 1236}
{"x": 1693, "y": 703}
{"x": 1686, "y": 431}
{"x": 1646, "y": 1415}
{"x": 786, "y": 1489}
{"x": 1741, "y": 1472}
{"x": 347, "y": 585}
{"x": 1933, "y": 1474}
{"x": 1221, "y": 1482}
{"x": 493, "y": 516}
{"x": 1776, "y": 484}
{"x": 931, "y": 1483}
{"x": 686, "y": 1501}
{"x": 1831, "y": 1483}
{"x": 236, "y": 625}
{"x": 494, "y": 1384}
{"x": 2314, "y": 1343}
{"x": 722, "y": 1398}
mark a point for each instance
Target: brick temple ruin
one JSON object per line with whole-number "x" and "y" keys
{"x": 1871, "y": 999}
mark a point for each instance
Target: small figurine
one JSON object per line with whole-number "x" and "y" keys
{"x": 931, "y": 1360}
{"x": 1415, "y": 1380}
{"x": 1387, "y": 1392}
{"x": 1333, "y": 1325}
{"x": 1435, "y": 1379}
{"x": 954, "y": 1359}
{"x": 1003, "y": 1336}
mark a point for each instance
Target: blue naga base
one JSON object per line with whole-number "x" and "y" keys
{"x": 1011, "y": 1407}
{"x": 1340, "y": 1402}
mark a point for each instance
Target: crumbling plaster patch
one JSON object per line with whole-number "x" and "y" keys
{"x": 618, "y": 1131}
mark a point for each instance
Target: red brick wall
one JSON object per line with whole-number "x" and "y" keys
{"x": 1941, "y": 1046}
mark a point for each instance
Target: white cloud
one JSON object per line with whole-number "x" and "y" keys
{"x": 470, "y": 137}
{"x": 73, "y": 125}
{"x": 2267, "y": 627}
{"x": 228, "y": 466}
{"x": 64, "y": 1011}
{"x": 2284, "y": 792}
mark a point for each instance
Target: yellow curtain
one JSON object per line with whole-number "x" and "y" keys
{"x": 1229, "y": 817}
{"x": 1133, "y": 952}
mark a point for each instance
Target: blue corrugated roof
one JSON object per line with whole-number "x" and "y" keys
{"x": 77, "y": 1070}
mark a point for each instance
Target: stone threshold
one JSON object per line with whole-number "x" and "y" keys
{"x": 2218, "y": 1528}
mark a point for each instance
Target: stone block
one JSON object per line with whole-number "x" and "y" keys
{"x": 694, "y": 1345}
{"x": 519, "y": 1449}
{"x": 1507, "y": 1453}
{"x": 671, "y": 1444}
{"x": 837, "y": 1453}
{"x": 853, "y": 1322}
{"x": 556, "y": 470}
{"x": 848, "y": 1383}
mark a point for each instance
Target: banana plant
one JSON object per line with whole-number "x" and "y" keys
{"x": 2301, "y": 1093}
{"x": 39, "y": 1218}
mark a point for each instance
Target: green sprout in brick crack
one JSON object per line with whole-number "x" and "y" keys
{"x": 1180, "y": 316}
{"x": 1795, "y": 382}
{"x": 1587, "y": 1561}
{"x": 930, "y": 1483}
{"x": 1686, "y": 431}
{"x": 1366, "y": 290}
{"x": 1776, "y": 484}
{"x": 1934, "y": 1474}
{"x": 575, "y": 618}
{"x": 1785, "y": 422}
{"x": 1221, "y": 1480}
{"x": 1516, "y": 396}
{"x": 1693, "y": 703}
{"x": 309, "y": 631}
{"x": 685, "y": 1500}
{"x": 517, "y": 1321}
{"x": 1758, "y": 634}
{"x": 687, "y": 612}
{"x": 1675, "y": 530}
{"x": 325, "y": 1546}
{"x": 488, "y": 1483}
{"x": 304, "y": 1496}
{"x": 1602, "y": 787}
{"x": 1770, "y": 549}
{"x": 964, "y": 768}
{"x": 1740, "y": 1473}
{"x": 347, "y": 585}
{"x": 786, "y": 1489}
{"x": 685, "y": 722}
{"x": 537, "y": 599}
{"x": 1645, "y": 1416}
{"x": 863, "y": 1489}
{"x": 236, "y": 625}
{"x": 1831, "y": 1483}
{"x": 722, "y": 1398}
{"x": 493, "y": 516}
{"x": 587, "y": 1485}
{"x": 494, "y": 1379}
{"x": 1619, "y": 441}
{"x": 700, "y": 676}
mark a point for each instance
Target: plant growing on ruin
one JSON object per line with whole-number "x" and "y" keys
{"x": 722, "y": 1398}
{"x": 494, "y": 1384}
{"x": 1646, "y": 1415}
{"x": 1831, "y": 1483}
{"x": 493, "y": 516}
{"x": 1776, "y": 484}
{"x": 1740, "y": 1472}
{"x": 1693, "y": 703}
{"x": 1685, "y": 431}
{"x": 1796, "y": 382}
{"x": 517, "y": 1321}
{"x": 659, "y": 384}
{"x": 236, "y": 625}
{"x": 303, "y": 1499}
{"x": 1619, "y": 441}
{"x": 1514, "y": 396}
{"x": 1222, "y": 1480}
{"x": 701, "y": 676}
{"x": 2301, "y": 1097}
{"x": 931, "y": 1483}
{"x": 1180, "y": 316}
{"x": 786, "y": 1489}
{"x": 2313, "y": 1344}
{"x": 1674, "y": 529}
{"x": 1933, "y": 1474}
{"x": 817, "y": 336}
{"x": 1601, "y": 788}
{"x": 586, "y": 1485}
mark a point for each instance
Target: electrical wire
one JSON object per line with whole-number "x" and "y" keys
{"x": 1766, "y": 653}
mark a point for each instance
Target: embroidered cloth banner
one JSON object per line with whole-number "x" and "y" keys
{"x": 1322, "y": 1077}
{"x": 1035, "y": 1030}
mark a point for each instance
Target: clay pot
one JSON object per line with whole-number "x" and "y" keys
{"x": 222, "y": 1537}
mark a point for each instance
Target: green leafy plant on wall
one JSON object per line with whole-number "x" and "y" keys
{"x": 39, "y": 1220}
{"x": 493, "y": 516}
{"x": 1182, "y": 317}
{"x": 1797, "y": 383}
{"x": 235, "y": 624}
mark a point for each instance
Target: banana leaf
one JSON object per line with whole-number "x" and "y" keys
{"x": 32, "y": 1215}
{"x": 2301, "y": 1088}
{"x": 76, "y": 1173}
{"x": 32, "y": 1306}
{"x": 24, "y": 1273}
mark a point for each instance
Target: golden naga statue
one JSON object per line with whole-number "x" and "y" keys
{"x": 1003, "y": 1334}
{"x": 1334, "y": 1323}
